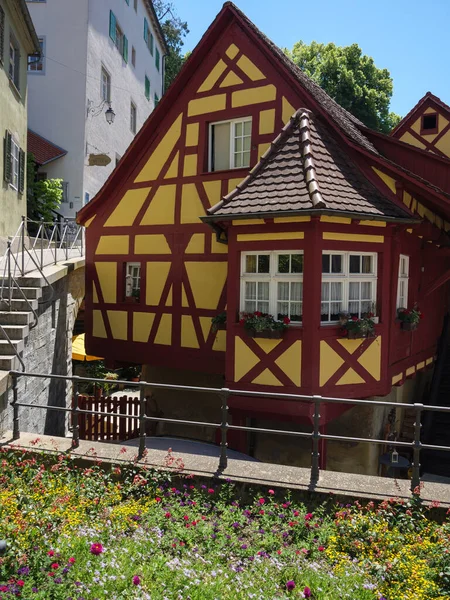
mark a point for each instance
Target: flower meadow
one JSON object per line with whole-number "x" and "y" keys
{"x": 84, "y": 533}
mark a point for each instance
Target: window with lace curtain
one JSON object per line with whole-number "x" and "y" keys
{"x": 272, "y": 282}
{"x": 348, "y": 284}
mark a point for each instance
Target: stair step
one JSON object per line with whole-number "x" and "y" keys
{"x": 19, "y": 305}
{"x": 15, "y": 317}
{"x": 14, "y": 332}
{"x": 33, "y": 293}
{"x": 9, "y": 363}
{"x": 6, "y": 348}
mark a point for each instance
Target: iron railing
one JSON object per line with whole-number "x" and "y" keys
{"x": 224, "y": 393}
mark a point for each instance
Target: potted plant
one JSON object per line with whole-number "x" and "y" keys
{"x": 409, "y": 318}
{"x": 110, "y": 387}
{"x": 132, "y": 372}
{"x": 134, "y": 297}
{"x": 262, "y": 325}
{"x": 219, "y": 322}
{"x": 355, "y": 327}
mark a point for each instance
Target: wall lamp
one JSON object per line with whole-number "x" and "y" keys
{"x": 94, "y": 111}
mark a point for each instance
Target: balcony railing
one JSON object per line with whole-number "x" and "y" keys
{"x": 223, "y": 395}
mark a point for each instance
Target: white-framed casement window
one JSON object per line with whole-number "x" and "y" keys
{"x": 349, "y": 284}
{"x": 133, "y": 279}
{"x": 14, "y": 61}
{"x": 117, "y": 35}
{"x": 133, "y": 117}
{"x": 272, "y": 282}
{"x": 36, "y": 63}
{"x": 105, "y": 85}
{"x": 229, "y": 144}
{"x": 15, "y": 164}
{"x": 403, "y": 281}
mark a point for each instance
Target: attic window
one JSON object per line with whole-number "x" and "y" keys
{"x": 429, "y": 123}
{"x": 229, "y": 144}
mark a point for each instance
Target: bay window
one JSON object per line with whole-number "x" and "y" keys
{"x": 348, "y": 284}
{"x": 272, "y": 282}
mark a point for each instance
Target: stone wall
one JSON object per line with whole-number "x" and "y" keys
{"x": 48, "y": 349}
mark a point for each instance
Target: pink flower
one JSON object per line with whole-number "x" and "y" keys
{"x": 210, "y": 491}
{"x": 71, "y": 560}
{"x": 20, "y": 582}
{"x": 51, "y": 553}
{"x": 157, "y": 499}
{"x": 136, "y": 580}
{"x": 168, "y": 515}
{"x": 54, "y": 566}
{"x": 308, "y": 516}
{"x": 321, "y": 548}
{"x": 271, "y": 492}
{"x": 261, "y": 501}
{"x": 96, "y": 549}
{"x": 307, "y": 592}
{"x": 290, "y": 585}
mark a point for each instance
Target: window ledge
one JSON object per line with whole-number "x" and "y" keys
{"x": 232, "y": 172}
{"x": 15, "y": 89}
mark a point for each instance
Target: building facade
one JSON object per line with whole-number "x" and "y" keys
{"x": 250, "y": 190}
{"x": 96, "y": 54}
{"x": 18, "y": 39}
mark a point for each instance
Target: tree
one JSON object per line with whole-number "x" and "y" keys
{"x": 351, "y": 78}
{"x": 44, "y": 196}
{"x": 174, "y": 30}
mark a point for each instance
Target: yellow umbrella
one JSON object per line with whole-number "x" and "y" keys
{"x": 79, "y": 351}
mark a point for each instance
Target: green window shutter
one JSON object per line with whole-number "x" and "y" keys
{"x": 7, "y": 157}
{"x": 147, "y": 87}
{"x": 146, "y": 30}
{"x": 157, "y": 58}
{"x": 128, "y": 2}
{"x": 112, "y": 26}
{"x": 125, "y": 49}
{"x": 156, "y": 99}
{"x": 151, "y": 43}
{"x": 21, "y": 171}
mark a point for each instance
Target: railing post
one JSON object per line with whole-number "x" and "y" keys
{"x": 23, "y": 244}
{"x": 16, "y": 430}
{"x": 75, "y": 414}
{"x": 42, "y": 244}
{"x": 65, "y": 235}
{"x": 223, "y": 461}
{"x": 9, "y": 275}
{"x": 315, "y": 455}
{"x": 141, "y": 422}
{"x": 417, "y": 446}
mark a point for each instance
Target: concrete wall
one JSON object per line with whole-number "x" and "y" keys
{"x": 48, "y": 349}
{"x": 13, "y": 117}
{"x": 77, "y": 43}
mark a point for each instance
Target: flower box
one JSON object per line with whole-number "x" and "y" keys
{"x": 354, "y": 334}
{"x": 271, "y": 334}
{"x": 408, "y": 326}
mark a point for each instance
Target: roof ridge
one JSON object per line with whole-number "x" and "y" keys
{"x": 308, "y": 162}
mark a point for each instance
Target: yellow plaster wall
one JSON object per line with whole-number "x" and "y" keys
{"x": 191, "y": 205}
{"x": 231, "y": 79}
{"x": 250, "y": 69}
{"x": 107, "y": 277}
{"x": 142, "y": 325}
{"x": 207, "y": 280}
{"x": 443, "y": 144}
{"x": 291, "y": 362}
{"x": 98, "y": 325}
{"x": 213, "y": 76}
{"x": 154, "y": 243}
{"x": 408, "y": 138}
{"x": 196, "y": 244}
{"x": 192, "y": 133}
{"x": 232, "y": 51}
{"x": 127, "y": 210}
{"x": 161, "y": 210}
{"x": 118, "y": 321}
{"x": 262, "y": 237}
{"x": 267, "y": 121}
{"x": 160, "y": 154}
{"x": 287, "y": 110}
{"x": 190, "y": 165}
{"x": 212, "y": 190}
{"x": 113, "y": 244}
{"x": 209, "y": 104}
{"x": 172, "y": 171}
{"x": 386, "y": 179}
{"x": 188, "y": 334}
{"x": 330, "y": 362}
{"x": 265, "y": 93}
{"x": 353, "y": 237}
{"x": 164, "y": 333}
{"x": 156, "y": 277}
{"x": 244, "y": 359}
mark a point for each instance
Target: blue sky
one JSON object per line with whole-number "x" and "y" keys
{"x": 408, "y": 37}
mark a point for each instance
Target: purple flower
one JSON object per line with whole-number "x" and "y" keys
{"x": 34, "y": 590}
{"x": 290, "y": 585}
{"x": 23, "y": 571}
{"x": 244, "y": 546}
{"x": 136, "y": 580}
{"x": 58, "y": 580}
{"x": 307, "y": 592}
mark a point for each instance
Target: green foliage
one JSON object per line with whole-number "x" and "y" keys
{"x": 174, "y": 30}
{"x": 351, "y": 78}
{"x": 43, "y": 197}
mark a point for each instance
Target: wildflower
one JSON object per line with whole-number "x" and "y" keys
{"x": 290, "y": 585}
{"x": 54, "y": 566}
{"x": 271, "y": 492}
{"x": 136, "y": 580}
{"x": 168, "y": 515}
{"x": 20, "y": 582}
{"x": 96, "y": 549}
{"x": 157, "y": 499}
{"x": 261, "y": 501}
{"x": 307, "y": 592}
{"x": 321, "y": 548}
{"x": 71, "y": 560}
{"x": 51, "y": 553}
{"x": 308, "y": 516}
{"x": 210, "y": 491}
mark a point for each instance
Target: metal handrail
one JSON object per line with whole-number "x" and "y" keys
{"x": 224, "y": 393}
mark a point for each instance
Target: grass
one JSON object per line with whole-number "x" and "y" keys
{"x": 83, "y": 534}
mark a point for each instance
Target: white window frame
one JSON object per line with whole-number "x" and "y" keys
{"x": 119, "y": 38}
{"x": 14, "y": 61}
{"x": 33, "y": 62}
{"x": 403, "y": 281}
{"x": 232, "y": 123}
{"x": 133, "y": 117}
{"x": 132, "y": 282}
{"x": 105, "y": 83}
{"x": 15, "y": 164}
{"x": 273, "y": 278}
{"x": 346, "y": 278}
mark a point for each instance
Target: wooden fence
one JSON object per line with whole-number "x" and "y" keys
{"x": 124, "y": 425}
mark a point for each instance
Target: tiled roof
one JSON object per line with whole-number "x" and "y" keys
{"x": 347, "y": 122}
{"x": 305, "y": 168}
{"x": 43, "y": 150}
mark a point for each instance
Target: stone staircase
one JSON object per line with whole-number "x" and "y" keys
{"x": 17, "y": 322}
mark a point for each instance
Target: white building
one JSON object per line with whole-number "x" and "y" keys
{"x": 96, "y": 54}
